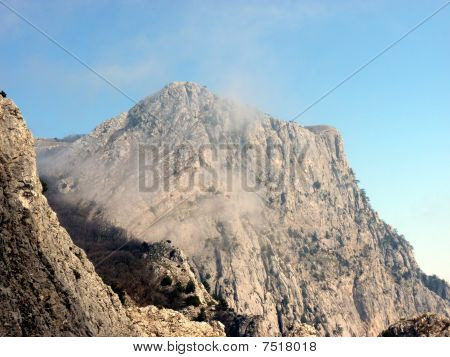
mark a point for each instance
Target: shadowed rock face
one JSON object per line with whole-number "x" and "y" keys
{"x": 298, "y": 243}
{"x": 426, "y": 325}
{"x": 48, "y": 287}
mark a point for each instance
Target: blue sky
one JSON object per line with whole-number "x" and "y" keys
{"x": 277, "y": 55}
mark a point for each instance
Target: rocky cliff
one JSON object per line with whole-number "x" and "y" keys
{"x": 269, "y": 213}
{"x": 48, "y": 287}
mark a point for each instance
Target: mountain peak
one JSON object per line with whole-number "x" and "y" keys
{"x": 175, "y": 95}
{"x": 185, "y": 84}
{"x": 183, "y": 88}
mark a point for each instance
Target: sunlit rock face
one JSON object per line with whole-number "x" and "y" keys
{"x": 268, "y": 212}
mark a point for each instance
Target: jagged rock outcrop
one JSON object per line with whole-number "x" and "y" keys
{"x": 426, "y": 325}
{"x": 299, "y": 329}
{"x": 268, "y": 212}
{"x": 171, "y": 323}
{"x": 237, "y": 325}
{"x": 48, "y": 287}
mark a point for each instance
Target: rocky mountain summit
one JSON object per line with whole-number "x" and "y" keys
{"x": 268, "y": 213}
{"x": 48, "y": 287}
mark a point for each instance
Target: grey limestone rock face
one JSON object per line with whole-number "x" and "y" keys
{"x": 268, "y": 210}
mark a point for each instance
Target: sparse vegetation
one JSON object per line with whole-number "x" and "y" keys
{"x": 190, "y": 287}
{"x": 206, "y": 285}
{"x": 44, "y": 185}
{"x": 267, "y": 251}
{"x": 338, "y": 331}
{"x": 293, "y": 233}
{"x": 175, "y": 294}
{"x": 120, "y": 292}
{"x": 193, "y": 300}
{"x": 3, "y": 94}
{"x": 317, "y": 185}
{"x": 364, "y": 196}
{"x": 202, "y": 315}
{"x": 223, "y": 304}
{"x": 166, "y": 281}
{"x": 179, "y": 287}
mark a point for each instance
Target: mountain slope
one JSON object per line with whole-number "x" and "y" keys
{"x": 48, "y": 287}
{"x": 268, "y": 212}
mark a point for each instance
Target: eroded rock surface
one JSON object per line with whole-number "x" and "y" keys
{"x": 426, "y": 325}
{"x": 172, "y": 323}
